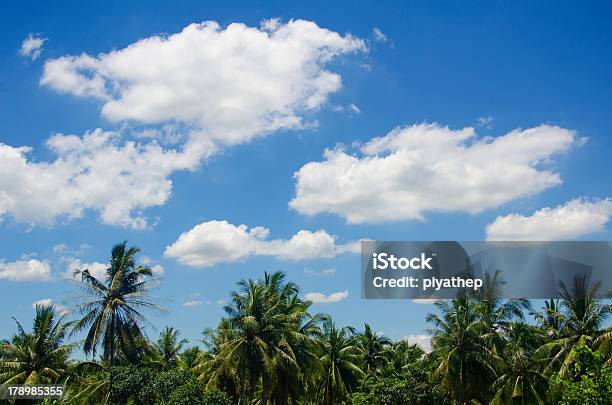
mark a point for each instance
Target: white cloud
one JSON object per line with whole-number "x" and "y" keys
{"x": 25, "y": 270}
{"x": 32, "y": 46}
{"x": 320, "y": 298}
{"x": 429, "y": 168}
{"x": 354, "y": 109}
{"x": 194, "y": 303}
{"x": 425, "y": 300}
{"x": 221, "y": 301}
{"x": 423, "y": 341}
{"x": 47, "y": 302}
{"x": 379, "y": 36}
{"x": 98, "y": 270}
{"x": 324, "y": 272}
{"x": 215, "y": 242}
{"x": 571, "y": 220}
{"x": 93, "y": 172}
{"x": 233, "y": 83}
{"x": 486, "y": 122}
{"x": 158, "y": 270}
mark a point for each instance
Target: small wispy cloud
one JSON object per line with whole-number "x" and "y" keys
{"x": 320, "y": 298}
{"x": 324, "y": 272}
{"x": 194, "y": 303}
{"x": 485, "y": 122}
{"x": 379, "y": 36}
{"x": 32, "y": 46}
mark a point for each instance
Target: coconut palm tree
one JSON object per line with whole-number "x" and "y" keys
{"x": 550, "y": 319}
{"x": 582, "y": 316}
{"x": 168, "y": 348}
{"x": 372, "y": 346}
{"x": 188, "y": 358}
{"x": 112, "y": 307}
{"x": 465, "y": 362}
{"x": 496, "y": 314}
{"x": 520, "y": 380}
{"x": 40, "y": 357}
{"x": 260, "y": 335}
{"x": 400, "y": 355}
{"x": 340, "y": 357}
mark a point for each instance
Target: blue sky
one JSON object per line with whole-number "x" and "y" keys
{"x": 491, "y": 66}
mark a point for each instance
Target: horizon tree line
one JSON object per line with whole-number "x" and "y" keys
{"x": 268, "y": 349}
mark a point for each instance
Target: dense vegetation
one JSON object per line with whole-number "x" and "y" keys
{"x": 269, "y": 349}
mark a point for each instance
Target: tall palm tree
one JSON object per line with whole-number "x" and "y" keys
{"x": 188, "y": 358}
{"x": 372, "y": 346}
{"x": 400, "y": 355}
{"x": 340, "y": 357}
{"x": 112, "y": 307}
{"x": 39, "y": 357}
{"x": 520, "y": 380}
{"x": 465, "y": 362}
{"x": 496, "y": 314}
{"x": 550, "y": 319}
{"x": 168, "y": 348}
{"x": 261, "y": 335}
{"x": 582, "y": 316}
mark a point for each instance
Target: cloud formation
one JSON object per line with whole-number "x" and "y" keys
{"x": 232, "y": 83}
{"x": 98, "y": 270}
{"x": 571, "y": 220}
{"x": 96, "y": 171}
{"x": 429, "y": 168}
{"x": 215, "y": 242}
{"x": 48, "y": 302}
{"x": 32, "y": 46}
{"x": 25, "y": 270}
{"x": 320, "y": 298}
{"x": 423, "y": 341}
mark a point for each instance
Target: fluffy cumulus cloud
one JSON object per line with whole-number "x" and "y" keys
{"x": 32, "y": 46}
{"x": 25, "y": 270}
{"x": 97, "y": 171}
{"x": 233, "y": 83}
{"x": 215, "y": 242}
{"x": 320, "y": 298}
{"x": 430, "y": 168}
{"x": 571, "y": 220}
{"x": 48, "y": 302}
{"x": 98, "y": 270}
{"x": 423, "y": 341}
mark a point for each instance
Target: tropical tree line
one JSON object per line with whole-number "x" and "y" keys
{"x": 271, "y": 349}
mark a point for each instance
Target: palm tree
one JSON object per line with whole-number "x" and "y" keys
{"x": 188, "y": 359}
{"x": 582, "y": 316}
{"x": 260, "y": 337}
{"x": 465, "y": 362}
{"x": 496, "y": 314}
{"x": 40, "y": 357}
{"x": 168, "y": 348}
{"x": 400, "y": 355}
{"x": 550, "y": 319}
{"x": 520, "y": 380}
{"x": 111, "y": 308}
{"x": 339, "y": 358}
{"x": 372, "y": 346}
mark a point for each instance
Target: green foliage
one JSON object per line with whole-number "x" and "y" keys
{"x": 129, "y": 384}
{"x": 39, "y": 357}
{"x": 164, "y": 384}
{"x": 194, "y": 393}
{"x": 591, "y": 382}
{"x": 413, "y": 387}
